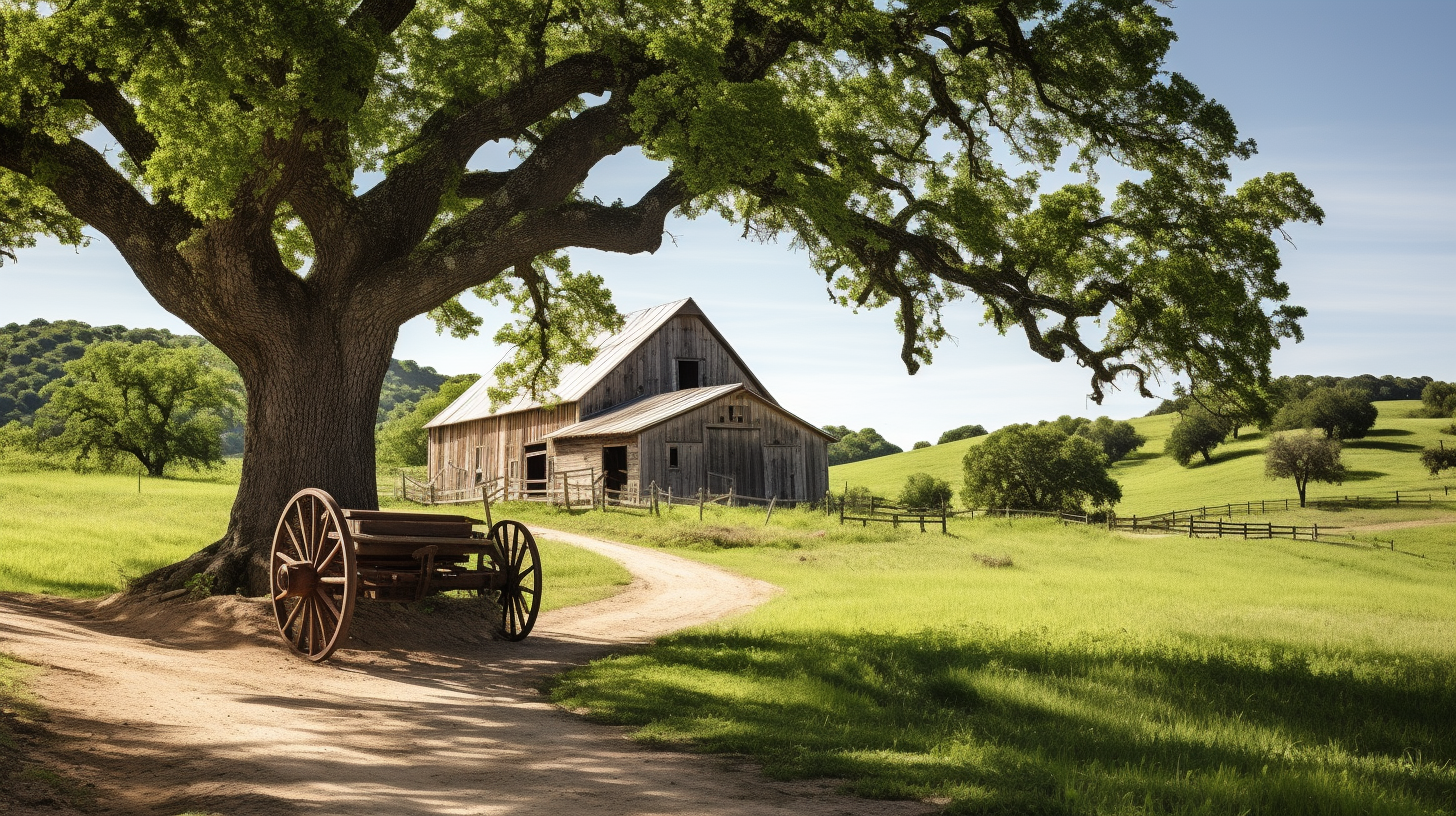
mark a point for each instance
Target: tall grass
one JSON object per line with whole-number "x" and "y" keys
{"x": 1097, "y": 674}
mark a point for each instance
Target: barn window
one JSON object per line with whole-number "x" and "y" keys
{"x": 687, "y": 374}
{"x": 672, "y": 460}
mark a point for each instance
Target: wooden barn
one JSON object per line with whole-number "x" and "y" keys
{"x": 666, "y": 402}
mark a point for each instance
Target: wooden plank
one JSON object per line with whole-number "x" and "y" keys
{"x": 447, "y": 529}
{"x": 395, "y": 515}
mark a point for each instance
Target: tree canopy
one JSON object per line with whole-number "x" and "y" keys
{"x": 1342, "y": 413}
{"x": 963, "y": 432}
{"x": 900, "y": 143}
{"x": 155, "y": 404}
{"x": 1196, "y": 431}
{"x": 856, "y": 446}
{"x": 295, "y": 180}
{"x": 1038, "y": 467}
{"x": 1305, "y": 457}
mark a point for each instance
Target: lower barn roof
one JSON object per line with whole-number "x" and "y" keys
{"x": 639, "y": 415}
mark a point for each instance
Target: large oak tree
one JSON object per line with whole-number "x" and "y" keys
{"x": 293, "y": 180}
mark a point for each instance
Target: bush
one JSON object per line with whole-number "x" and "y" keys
{"x": 857, "y": 446}
{"x": 925, "y": 492}
{"x": 919, "y": 445}
{"x": 1032, "y": 467}
{"x": 1438, "y": 399}
{"x": 963, "y": 432}
{"x": 1438, "y": 459}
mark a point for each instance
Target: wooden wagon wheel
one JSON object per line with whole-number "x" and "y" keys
{"x": 313, "y": 576}
{"x": 520, "y": 578}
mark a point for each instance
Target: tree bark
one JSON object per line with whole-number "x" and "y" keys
{"x": 313, "y": 394}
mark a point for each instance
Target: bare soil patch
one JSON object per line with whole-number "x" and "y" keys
{"x": 197, "y": 706}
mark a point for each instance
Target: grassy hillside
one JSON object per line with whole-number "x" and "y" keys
{"x": 1384, "y": 461}
{"x": 1097, "y": 674}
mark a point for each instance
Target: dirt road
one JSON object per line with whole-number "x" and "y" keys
{"x": 175, "y": 712}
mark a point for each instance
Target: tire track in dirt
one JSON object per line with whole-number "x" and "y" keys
{"x": 187, "y": 708}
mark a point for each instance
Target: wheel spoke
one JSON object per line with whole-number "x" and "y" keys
{"x": 325, "y": 521}
{"x": 327, "y": 603}
{"x": 338, "y": 548}
{"x": 521, "y": 576}
{"x": 302, "y": 529}
{"x": 288, "y": 528}
{"x": 293, "y": 615}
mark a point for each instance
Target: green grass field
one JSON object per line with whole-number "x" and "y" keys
{"x": 1385, "y": 461}
{"x": 1099, "y": 674}
{"x": 85, "y": 535}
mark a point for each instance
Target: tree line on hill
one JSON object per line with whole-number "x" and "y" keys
{"x": 96, "y": 397}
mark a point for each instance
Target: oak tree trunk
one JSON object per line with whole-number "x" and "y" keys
{"x": 313, "y": 393}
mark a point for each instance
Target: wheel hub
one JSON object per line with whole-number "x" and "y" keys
{"x": 296, "y": 579}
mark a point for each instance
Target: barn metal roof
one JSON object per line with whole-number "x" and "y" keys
{"x": 577, "y": 380}
{"x": 640, "y": 414}
{"x": 643, "y": 413}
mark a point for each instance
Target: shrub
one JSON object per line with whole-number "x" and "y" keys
{"x": 856, "y": 446}
{"x": 1034, "y": 467}
{"x": 963, "y": 432}
{"x": 923, "y": 491}
{"x": 919, "y": 445}
{"x": 1438, "y": 459}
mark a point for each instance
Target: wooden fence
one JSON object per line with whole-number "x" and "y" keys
{"x": 1195, "y": 527}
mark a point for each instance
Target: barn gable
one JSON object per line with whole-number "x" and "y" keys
{"x": 639, "y": 360}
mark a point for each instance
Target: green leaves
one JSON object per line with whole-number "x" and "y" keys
{"x": 28, "y": 209}
{"x": 155, "y": 404}
{"x": 1038, "y": 467}
{"x": 902, "y": 145}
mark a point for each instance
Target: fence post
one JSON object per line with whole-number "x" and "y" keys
{"x": 485, "y": 497}
{"x": 432, "y": 492}
{"x": 1316, "y": 532}
{"x": 771, "y": 502}
{"x": 700, "y": 503}
{"x": 732, "y": 493}
{"x": 841, "y": 512}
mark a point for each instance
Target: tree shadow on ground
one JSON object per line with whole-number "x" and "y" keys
{"x": 1389, "y": 432}
{"x": 1363, "y": 475}
{"x": 1398, "y": 447}
{"x": 1031, "y": 723}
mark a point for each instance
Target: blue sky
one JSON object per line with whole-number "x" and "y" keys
{"x": 1358, "y": 99}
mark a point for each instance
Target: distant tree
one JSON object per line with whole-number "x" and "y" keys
{"x": 919, "y": 445}
{"x": 1037, "y": 467}
{"x": 403, "y": 440}
{"x": 1305, "y": 457}
{"x": 923, "y": 491}
{"x": 963, "y": 432}
{"x": 1438, "y": 458}
{"x": 158, "y": 404}
{"x": 1438, "y": 399}
{"x": 1342, "y": 413}
{"x": 1116, "y": 438}
{"x": 856, "y": 446}
{"x": 1196, "y": 431}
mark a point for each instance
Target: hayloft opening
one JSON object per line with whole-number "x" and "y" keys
{"x": 687, "y": 374}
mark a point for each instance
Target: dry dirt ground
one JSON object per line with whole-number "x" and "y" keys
{"x": 182, "y": 707}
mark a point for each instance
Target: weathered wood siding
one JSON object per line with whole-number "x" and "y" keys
{"x": 769, "y": 453}
{"x": 585, "y": 453}
{"x": 489, "y": 445}
{"x": 652, "y": 368}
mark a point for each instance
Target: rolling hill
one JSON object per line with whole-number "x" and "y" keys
{"x": 1384, "y": 461}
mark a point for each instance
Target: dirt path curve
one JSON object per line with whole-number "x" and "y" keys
{"x": 167, "y": 713}
{"x": 1398, "y": 525}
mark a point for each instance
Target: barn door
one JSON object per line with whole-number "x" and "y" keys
{"x": 735, "y": 458}
{"x": 783, "y": 472}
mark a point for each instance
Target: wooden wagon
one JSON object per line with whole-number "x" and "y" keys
{"x": 325, "y": 559}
